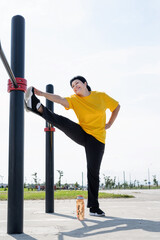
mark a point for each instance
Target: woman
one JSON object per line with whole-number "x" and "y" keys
{"x": 90, "y": 109}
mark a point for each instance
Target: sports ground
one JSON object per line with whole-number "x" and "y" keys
{"x": 128, "y": 219}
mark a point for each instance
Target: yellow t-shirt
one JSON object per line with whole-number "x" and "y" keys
{"x": 91, "y": 112}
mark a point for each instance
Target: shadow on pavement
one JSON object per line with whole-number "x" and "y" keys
{"x": 98, "y": 226}
{"x": 108, "y": 225}
{"x": 22, "y": 236}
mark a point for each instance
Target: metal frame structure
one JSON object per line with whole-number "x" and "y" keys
{"x": 17, "y": 85}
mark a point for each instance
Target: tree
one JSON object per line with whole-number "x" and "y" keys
{"x": 125, "y": 185}
{"x": 60, "y": 176}
{"x": 35, "y": 178}
{"x": 145, "y": 180}
{"x": 155, "y": 182}
{"x": 109, "y": 183}
{"x": 76, "y": 185}
{"x": 135, "y": 181}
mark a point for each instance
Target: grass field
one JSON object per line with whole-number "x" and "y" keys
{"x": 61, "y": 194}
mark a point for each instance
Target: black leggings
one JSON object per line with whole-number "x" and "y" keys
{"x": 94, "y": 150}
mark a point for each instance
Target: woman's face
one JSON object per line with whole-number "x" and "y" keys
{"x": 79, "y": 87}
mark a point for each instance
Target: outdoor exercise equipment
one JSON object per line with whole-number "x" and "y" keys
{"x": 49, "y": 157}
{"x": 17, "y": 85}
{"x": 7, "y": 67}
{"x": 16, "y": 130}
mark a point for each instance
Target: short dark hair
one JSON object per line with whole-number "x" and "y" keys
{"x": 82, "y": 79}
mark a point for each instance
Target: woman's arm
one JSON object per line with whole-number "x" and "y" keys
{"x": 113, "y": 117}
{"x": 52, "y": 97}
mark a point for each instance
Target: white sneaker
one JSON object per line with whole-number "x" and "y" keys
{"x": 96, "y": 212}
{"x": 32, "y": 103}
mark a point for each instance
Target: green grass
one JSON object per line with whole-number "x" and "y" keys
{"x": 63, "y": 194}
{"x": 3, "y": 195}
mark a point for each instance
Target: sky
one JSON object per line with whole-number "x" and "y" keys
{"x": 115, "y": 45}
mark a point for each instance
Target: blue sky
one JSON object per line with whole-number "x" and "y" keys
{"x": 115, "y": 44}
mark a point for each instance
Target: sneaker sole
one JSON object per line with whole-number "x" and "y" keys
{"x": 28, "y": 102}
{"x": 31, "y": 110}
{"x": 97, "y": 215}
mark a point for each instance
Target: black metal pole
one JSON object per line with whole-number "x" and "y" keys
{"x": 49, "y": 157}
{"x": 16, "y": 131}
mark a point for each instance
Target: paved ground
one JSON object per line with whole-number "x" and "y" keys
{"x": 126, "y": 219}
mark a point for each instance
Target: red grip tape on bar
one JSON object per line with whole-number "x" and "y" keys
{"x": 21, "y": 82}
{"x": 49, "y": 129}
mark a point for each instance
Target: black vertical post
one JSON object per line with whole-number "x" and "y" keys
{"x": 49, "y": 157}
{"x": 16, "y": 131}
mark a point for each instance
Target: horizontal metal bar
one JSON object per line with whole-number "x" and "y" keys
{"x": 7, "y": 67}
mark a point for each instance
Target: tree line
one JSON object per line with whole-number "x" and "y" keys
{"x": 110, "y": 183}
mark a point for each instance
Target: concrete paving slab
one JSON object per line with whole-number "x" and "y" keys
{"x": 128, "y": 219}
